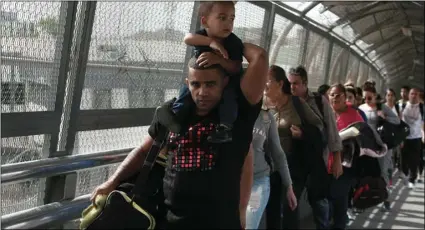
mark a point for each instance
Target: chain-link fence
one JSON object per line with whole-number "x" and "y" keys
{"x": 135, "y": 59}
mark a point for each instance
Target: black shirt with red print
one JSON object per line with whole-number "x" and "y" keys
{"x": 202, "y": 180}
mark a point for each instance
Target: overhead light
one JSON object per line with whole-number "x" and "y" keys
{"x": 416, "y": 61}
{"x": 406, "y": 31}
{"x": 411, "y": 77}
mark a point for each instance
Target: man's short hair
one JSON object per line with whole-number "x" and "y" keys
{"x": 300, "y": 71}
{"x": 193, "y": 65}
{"x": 407, "y": 88}
{"x": 206, "y": 6}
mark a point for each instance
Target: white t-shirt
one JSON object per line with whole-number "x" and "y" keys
{"x": 412, "y": 116}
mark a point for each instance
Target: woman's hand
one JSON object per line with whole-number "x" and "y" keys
{"x": 381, "y": 114}
{"x": 292, "y": 199}
{"x": 296, "y": 131}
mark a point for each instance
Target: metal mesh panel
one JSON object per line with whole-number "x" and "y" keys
{"x": 363, "y": 73}
{"x": 28, "y": 194}
{"x": 335, "y": 67}
{"x": 21, "y": 196}
{"x": 109, "y": 139}
{"x": 103, "y": 140}
{"x": 89, "y": 179}
{"x": 317, "y": 54}
{"x": 130, "y": 64}
{"x": 249, "y": 23}
{"x": 31, "y": 43}
{"x": 322, "y": 16}
{"x": 289, "y": 47}
{"x": 352, "y": 68}
{"x": 22, "y": 149}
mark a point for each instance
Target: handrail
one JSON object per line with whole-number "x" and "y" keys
{"x": 59, "y": 165}
{"x": 46, "y": 215}
{"x": 10, "y": 60}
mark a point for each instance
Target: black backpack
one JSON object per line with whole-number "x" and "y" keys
{"x": 392, "y": 134}
{"x": 311, "y": 149}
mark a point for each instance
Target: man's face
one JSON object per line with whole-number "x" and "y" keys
{"x": 206, "y": 88}
{"x": 414, "y": 96}
{"x": 404, "y": 94}
{"x": 220, "y": 20}
{"x": 298, "y": 88}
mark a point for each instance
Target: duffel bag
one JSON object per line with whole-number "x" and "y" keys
{"x": 136, "y": 203}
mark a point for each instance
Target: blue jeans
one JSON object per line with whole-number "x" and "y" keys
{"x": 260, "y": 193}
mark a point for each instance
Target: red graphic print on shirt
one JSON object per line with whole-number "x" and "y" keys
{"x": 193, "y": 152}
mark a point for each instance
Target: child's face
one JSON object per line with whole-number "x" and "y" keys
{"x": 220, "y": 20}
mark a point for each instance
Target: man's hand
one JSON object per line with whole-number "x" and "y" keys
{"x": 219, "y": 48}
{"x": 337, "y": 166}
{"x": 207, "y": 59}
{"x": 292, "y": 199}
{"x": 103, "y": 189}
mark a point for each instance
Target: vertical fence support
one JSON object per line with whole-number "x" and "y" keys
{"x": 268, "y": 24}
{"x": 63, "y": 187}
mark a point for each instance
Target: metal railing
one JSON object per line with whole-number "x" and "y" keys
{"x": 57, "y": 212}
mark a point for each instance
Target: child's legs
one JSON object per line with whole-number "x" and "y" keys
{"x": 228, "y": 107}
{"x": 178, "y": 104}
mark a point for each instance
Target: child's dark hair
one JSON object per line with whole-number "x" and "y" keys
{"x": 205, "y": 7}
{"x": 279, "y": 75}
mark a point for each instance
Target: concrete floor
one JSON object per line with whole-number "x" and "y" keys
{"x": 407, "y": 211}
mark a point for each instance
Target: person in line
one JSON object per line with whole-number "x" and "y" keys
{"x": 268, "y": 157}
{"x": 332, "y": 153}
{"x": 206, "y": 185}
{"x": 278, "y": 95}
{"x": 375, "y": 112}
{"x": 391, "y": 102}
{"x": 412, "y": 147}
{"x": 404, "y": 94}
{"x": 215, "y": 44}
{"x": 351, "y": 97}
{"x": 339, "y": 194}
{"x": 324, "y": 90}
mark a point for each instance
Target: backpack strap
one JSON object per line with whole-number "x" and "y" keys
{"x": 421, "y": 108}
{"x": 298, "y": 107}
{"x": 140, "y": 186}
{"x": 397, "y": 108}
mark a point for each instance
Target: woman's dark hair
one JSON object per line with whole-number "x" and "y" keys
{"x": 340, "y": 87}
{"x": 390, "y": 90}
{"x": 351, "y": 90}
{"x": 323, "y": 89}
{"x": 279, "y": 75}
{"x": 359, "y": 92}
{"x": 369, "y": 88}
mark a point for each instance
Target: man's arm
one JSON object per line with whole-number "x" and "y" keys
{"x": 231, "y": 66}
{"x": 334, "y": 140}
{"x": 132, "y": 162}
{"x": 247, "y": 179}
{"x": 254, "y": 80}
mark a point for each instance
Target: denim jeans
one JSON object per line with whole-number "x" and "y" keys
{"x": 260, "y": 193}
{"x": 338, "y": 198}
